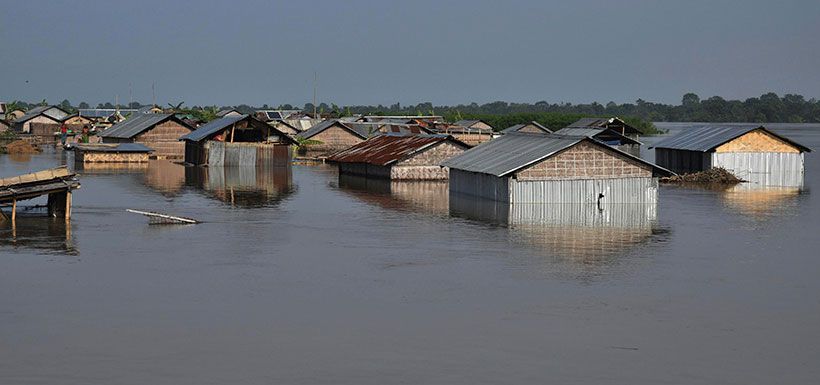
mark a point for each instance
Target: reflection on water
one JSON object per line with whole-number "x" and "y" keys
{"x": 760, "y": 202}
{"x": 430, "y": 197}
{"x": 243, "y": 186}
{"x": 38, "y": 233}
{"x": 588, "y": 234}
{"x": 164, "y": 176}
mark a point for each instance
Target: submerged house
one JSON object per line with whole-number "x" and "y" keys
{"x": 751, "y": 152}
{"x": 605, "y": 135}
{"x": 43, "y": 121}
{"x": 615, "y": 124}
{"x": 532, "y": 127}
{"x": 400, "y": 157}
{"x": 160, "y": 132}
{"x": 331, "y": 136}
{"x": 237, "y": 141}
{"x": 473, "y": 136}
{"x": 551, "y": 168}
{"x": 111, "y": 153}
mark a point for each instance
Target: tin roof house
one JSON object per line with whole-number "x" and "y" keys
{"x": 41, "y": 121}
{"x": 159, "y": 132}
{"x": 532, "y": 127}
{"x": 614, "y": 123}
{"x": 472, "y": 132}
{"x": 605, "y": 135}
{"x": 237, "y": 141}
{"x": 551, "y": 168}
{"x": 331, "y": 136}
{"x": 751, "y": 152}
{"x": 400, "y": 157}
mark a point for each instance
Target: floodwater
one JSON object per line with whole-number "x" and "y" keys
{"x": 301, "y": 277}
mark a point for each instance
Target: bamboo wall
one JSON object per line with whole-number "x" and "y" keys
{"x": 242, "y": 154}
{"x": 164, "y": 140}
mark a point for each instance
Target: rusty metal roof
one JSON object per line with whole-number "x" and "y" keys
{"x": 383, "y": 150}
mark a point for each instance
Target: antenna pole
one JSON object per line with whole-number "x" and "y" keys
{"x": 315, "y": 81}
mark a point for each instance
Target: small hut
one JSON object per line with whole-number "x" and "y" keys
{"x": 285, "y": 127}
{"x": 605, "y": 135}
{"x": 400, "y": 157}
{"x": 43, "y": 121}
{"x": 237, "y": 141}
{"x": 550, "y": 168}
{"x": 471, "y": 136}
{"x": 331, "y": 136}
{"x": 474, "y": 124}
{"x": 111, "y": 153}
{"x": 531, "y": 127}
{"x": 751, "y": 152}
{"x": 614, "y": 123}
{"x": 228, "y": 112}
{"x": 159, "y": 132}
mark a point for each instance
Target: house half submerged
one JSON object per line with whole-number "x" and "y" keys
{"x": 159, "y": 132}
{"x": 241, "y": 140}
{"x": 751, "y": 152}
{"x": 400, "y": 157}
{"x": 552, "y": 168}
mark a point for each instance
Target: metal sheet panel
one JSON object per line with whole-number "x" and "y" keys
{"x": 621, "y": 190}
{"x": 479, "y": 185}
{"x": 763, "y": 168}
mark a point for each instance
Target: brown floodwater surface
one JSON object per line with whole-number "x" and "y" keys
{"x": 297, "y": 276}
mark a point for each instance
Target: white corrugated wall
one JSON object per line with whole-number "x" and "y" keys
{"x": 614, "y": 190}
{"x": 763, "y": 168}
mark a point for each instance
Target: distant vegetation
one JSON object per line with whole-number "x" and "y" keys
{"x": 768, "y": 107}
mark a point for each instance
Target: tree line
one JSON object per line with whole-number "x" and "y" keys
{"x": 769, "y": 107}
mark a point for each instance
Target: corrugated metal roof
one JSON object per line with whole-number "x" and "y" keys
{"x": 707, "y": 138}
{"x": 323, "y": 125}
{"x": 212, "y": 127}
{"x": 222, "y": 113}
{"x": 386, "y": 149}
{"x": 510, "y": 152}
{"x": 217, "y": 125}
{"x": 36, "y": 111}
{"x": 518, "y": 127}
{"x": 137, "y": 124}
{"x": 516, "y": 150}
{"x": 604, "y": 123}
{"x": 601, "y": 134}
{"x": 119, "y": 147}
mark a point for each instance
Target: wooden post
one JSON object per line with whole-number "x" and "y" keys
{"x": 233, "y": 130}
{"x": 68, "y": 205}
{"x": 13, "y": 211}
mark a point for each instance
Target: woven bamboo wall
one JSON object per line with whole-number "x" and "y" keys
{"x": 164, "y": 139}
{"x": 757, "y": 141}
{"x": 585, "y": 161}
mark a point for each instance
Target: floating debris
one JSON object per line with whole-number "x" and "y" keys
{"x": 716, "y": 175}
{"x": 155, "y": 218}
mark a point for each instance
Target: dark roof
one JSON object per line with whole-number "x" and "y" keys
{"x": 517, "y": 150}
{"x": 217, "y": 125}
{"x": 135, "y": 125}
{"x": 707, "y": 138}
{"x": 386, "y": 149}
{"x": 119, "y": 147}
{"x": 212, "y": 127}
{"x": 325, "y": 124}
{"x": 601, "y": 134}
{"x": 37, "y": 111}
{"x": 604, "y": 123}
{"x": 468, "y": 122}
{"x": 517, "y": 127}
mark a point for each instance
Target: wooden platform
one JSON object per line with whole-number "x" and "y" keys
{"x": 57, "y": 183}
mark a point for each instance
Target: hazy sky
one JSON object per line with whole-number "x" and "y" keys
{"x": 382, "y": 52}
